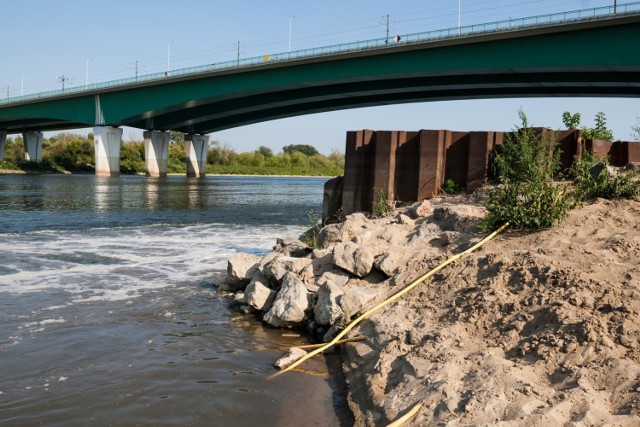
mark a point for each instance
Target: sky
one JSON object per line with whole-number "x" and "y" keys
{"x": 94, "y": 41}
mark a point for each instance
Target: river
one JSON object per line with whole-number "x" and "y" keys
{"x": 109, "y": 314}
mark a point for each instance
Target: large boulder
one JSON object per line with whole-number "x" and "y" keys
{"x": 389, "y": 262}
{"x": 240, "y": 268}
{"x": 353, "y": 258}
{"x": 356, "y": 297}
{"x": 280, "y": 265}
{"x": 259, "y": 296}
{"x": 291, "y": 303}
{"x": 327, "y": 311}
{"x": 419, "y": 209}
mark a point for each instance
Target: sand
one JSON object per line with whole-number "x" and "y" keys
{"x": 534, "y": 329}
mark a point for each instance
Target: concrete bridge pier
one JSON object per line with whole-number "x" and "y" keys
{"x": 32, "y": 146}
{"x": 156, "y": 148}
{"x": 3, "y": 143}
{"x": 107, "y": 144}
{"x": 195, "y": 147}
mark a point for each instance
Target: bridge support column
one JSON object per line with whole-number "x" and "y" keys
{"x": 156, "y": 149}
{"x": 3, "y": 143}
{"x": 32, "y": 146}
{"x": 195, "y": 147}
{"x": 107, "y": 144}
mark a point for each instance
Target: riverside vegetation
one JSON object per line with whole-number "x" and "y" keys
{"x": 73, "y": 153}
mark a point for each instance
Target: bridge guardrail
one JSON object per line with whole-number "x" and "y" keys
{"x": 420, "y": 37}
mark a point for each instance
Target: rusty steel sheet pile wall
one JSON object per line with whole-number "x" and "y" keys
{"x": 408, "y": 166}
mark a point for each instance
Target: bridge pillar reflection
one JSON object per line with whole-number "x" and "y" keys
{"x": 156, "y": 149}
{"x": 3, "y": 143}
{"x": 32, "y": 146}
{"x": 107, "y": 144}
{"x": 195, "y": 147}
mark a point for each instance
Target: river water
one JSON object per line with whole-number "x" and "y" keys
{"x": 109, "y": 313}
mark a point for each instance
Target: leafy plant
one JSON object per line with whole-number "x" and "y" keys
{"x": 594, "y": 180}
{"x": 527, "y": 198}
{"x": 635, "y": 130}
{"x": 310, "y": 237}
{"x": 450, "y": 187}
{"x": 600, "y": 131}
{"x": 571, "y": 121}
{"x": 381, "y": 205}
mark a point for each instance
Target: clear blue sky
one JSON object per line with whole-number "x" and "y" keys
{"x": 42, "y": 39}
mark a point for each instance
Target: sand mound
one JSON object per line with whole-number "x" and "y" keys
{"x": 536, "y": 329}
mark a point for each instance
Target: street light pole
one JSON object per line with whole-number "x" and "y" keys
{"x": 169, "y": 57}
{"x": 86, "y": 74}
{"x": 615, "y": 6}
{"x": 22, "y": 85}
{"x": 290, "y": 23}
{"x": 459, "y": 17}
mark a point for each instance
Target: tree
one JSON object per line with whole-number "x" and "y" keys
{"x": 571, "y": 121}
{"x": 307, "y": 150}
{"x": 635, "y": 130}
{"x": 600, "y": 131}
{"x": 265, "y": 151}
{"x": 176, "y": 137}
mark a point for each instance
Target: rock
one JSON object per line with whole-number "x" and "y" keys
{"x": 277, "y": 268}
{"x": 632, "y": 166}
{"x": 390, "y": 262}
{"x": 355, "y": 298}
{"x": 404, "y": 219}
{"x": 426, "y": 232}
{"x": 240, "y": 268}
{"x": 292, "y": 247}
{"x": 596, "y": 170}
{"x": 291, "y": 303}
{"x": 353, "y": 258}
{"x": 240, "y": 297}
{"x": 327, "y": 310}
{"x": 419, "y": 209}
{"x": 290, "y": 358}
{"x": 336, "y": 277}
{"x": 448, "y": 218}
{"x": 330, "y": 235}
{"x": 448, "y": 237}
{"x": 259, "y": 296}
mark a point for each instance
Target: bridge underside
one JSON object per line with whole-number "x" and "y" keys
{"x": 218, "y": 115}
{"x": 598, "y": 58}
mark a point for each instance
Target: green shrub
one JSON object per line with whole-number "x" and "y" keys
{"x": 381, "y": 205}
{"x": 450, "y": 187}
{"x": 593, "y": 183}
{"x": 527, "y": 205}
{"x": 528, "y": 198}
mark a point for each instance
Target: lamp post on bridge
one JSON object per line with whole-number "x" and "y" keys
{"x": 86, "y": 74}
{"x": 168, "y": 58}
{"x": 290, "y": 23}
{"x": 22, "y": 85}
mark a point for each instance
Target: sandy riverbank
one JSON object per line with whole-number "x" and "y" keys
{"x": 535, "y": 329}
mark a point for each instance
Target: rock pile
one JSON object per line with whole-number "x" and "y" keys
{"x": 357, "y": 262}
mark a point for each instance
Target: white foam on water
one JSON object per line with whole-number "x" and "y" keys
{"x": 125, "y": 263}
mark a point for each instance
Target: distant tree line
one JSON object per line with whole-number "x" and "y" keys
{"x": 75, "y": 153}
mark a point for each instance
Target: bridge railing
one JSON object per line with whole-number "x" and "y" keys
{"x": 420, "y": 37}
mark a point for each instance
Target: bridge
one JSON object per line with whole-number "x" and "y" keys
{"x": 589, "y": 52}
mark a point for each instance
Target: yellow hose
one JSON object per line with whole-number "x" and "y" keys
{"x": 406, "y": 417}
{"x": 391, "y": 299}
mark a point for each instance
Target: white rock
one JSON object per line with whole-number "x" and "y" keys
{"x": 259, "y": 296}
{"x": 353, "y": 258}
{"x": 277, "y": 268}
{"x": 290, "y": 358}
{"x": 240, "y": 269}
{"x": 327, "y": 310}
{"x": 291, "y": 303}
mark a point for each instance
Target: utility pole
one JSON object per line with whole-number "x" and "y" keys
{"x": 615, "y": 6}
{"x": 7, "y": 92}
{"x": 238, "y": 57}
{"x": 63, "y": 79}
{"x": 168, "y": 58}
{"x": 459, "y": 17}
{"x": 86, "y": 74}
{"x": 290, "y": 21}
{"x": 386, "y": 40}
{"x": 136, "y": 70}
{"x": 22, "y": 85}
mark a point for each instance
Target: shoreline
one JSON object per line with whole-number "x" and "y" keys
{"x": 478, "y": 343}
{"x": 23, "y": 172}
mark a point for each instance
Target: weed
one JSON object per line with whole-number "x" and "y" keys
{"x": 450, "y": 187}
{"x": 381, "y": 205}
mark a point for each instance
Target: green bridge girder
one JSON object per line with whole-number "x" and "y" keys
{"x": 600, "y": 57}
